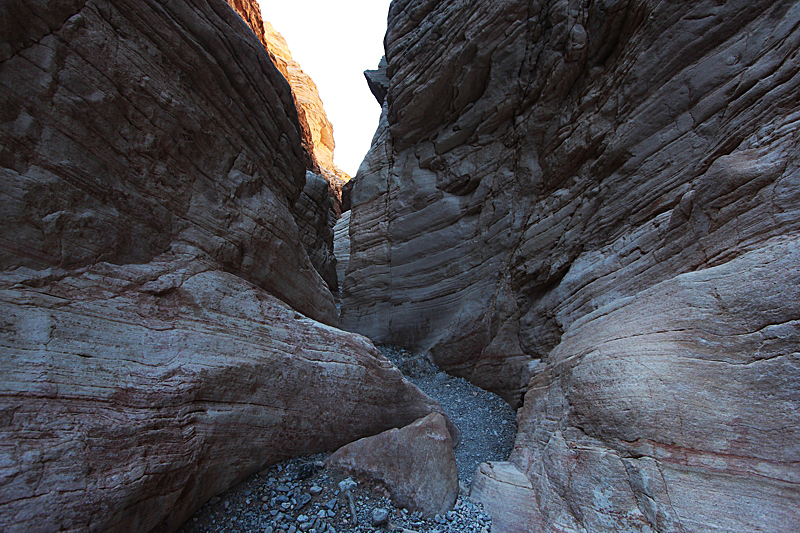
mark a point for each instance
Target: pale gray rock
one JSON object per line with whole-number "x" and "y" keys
{"x": 341, "y": 244}
{"x": 163, "y": 333}
{"x": 596, "y": 204}
{"x": 315, "y": 219}
{"x": 378, "y": 81}
{"x": 416, "y": 464}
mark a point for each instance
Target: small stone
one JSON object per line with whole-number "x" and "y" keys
{"x": 331, "y": 504}
{"x": 315, "y": 489}
{"x": 439, "y": 519}
{"x": 302, "y": 518}
{"x": 304, "y": 499}
{"x": 347, "y": 484}
{"x": 451, "y": 515}
{"x": 214, "y": 500}
{"x": 305, "y": 527}
{"x": 379, "y": 516}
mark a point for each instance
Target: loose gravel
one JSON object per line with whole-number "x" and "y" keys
{"x": 302, "y": 495}
{"x": 487, "y": 423}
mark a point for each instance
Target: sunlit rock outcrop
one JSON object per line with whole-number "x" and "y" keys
{"x": 317, "y": 130}
{"x": 164, "y": 333}
{"x": 595, "y": 204}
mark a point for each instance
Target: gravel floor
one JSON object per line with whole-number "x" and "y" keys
{"x": 301, "y": 495}
{"x": 487, "y": 423}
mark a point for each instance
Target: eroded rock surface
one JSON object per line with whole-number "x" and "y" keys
{"x": 163, "y": 332}
{"x": 316, "y": 129}
{"x": 596, "y": 204}
{"x": 341, "y": 244}
{"x": 416, "y": 464}
{"x": 315, "y": 219}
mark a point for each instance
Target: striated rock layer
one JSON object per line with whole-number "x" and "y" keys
{"x": 316, "y": 219}
{"x": 317, "y": 130}
{"x": 162, "y": 327}
{"x": 596, "y": 204}
{"x": 341, "y": 244}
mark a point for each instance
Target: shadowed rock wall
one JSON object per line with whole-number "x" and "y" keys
{"x": 162, "y": 330}
{"x": 595, "y": 204}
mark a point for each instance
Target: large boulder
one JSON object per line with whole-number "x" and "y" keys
{"x": 595, "y": 205}
{"x": 416, "y": 464}
{"x": 163, "y": 332}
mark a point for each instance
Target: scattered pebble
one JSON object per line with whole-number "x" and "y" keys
{"x": 301, "y": 495}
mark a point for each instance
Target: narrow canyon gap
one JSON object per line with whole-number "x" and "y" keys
{"x": 592, "y": 208}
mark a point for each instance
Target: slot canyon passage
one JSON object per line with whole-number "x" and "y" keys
{"x": 587, "y": 207}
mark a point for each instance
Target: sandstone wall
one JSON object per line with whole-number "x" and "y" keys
{"x": 315, "y": 217}
{"x": 316, "y": 129}
{"x": 163, "y": 330}
{"x": 595, "y": 204}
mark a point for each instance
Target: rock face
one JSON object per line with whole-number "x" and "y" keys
{"x": 416, "y": 464}
{"x": 317, "y": 130}
{"x": 316, "y": 219}
{"x": 341, "y": 244}
{"x": 163, "y": 330}
{"x": 596, "y": 204}
{"x": 378, "y": 81}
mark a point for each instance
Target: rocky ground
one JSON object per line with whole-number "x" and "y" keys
{"x": 302, "y": 495}
{"x": 487, "y": 423}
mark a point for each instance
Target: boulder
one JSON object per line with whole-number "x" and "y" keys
{"x": 163, "y": 334}
{"x": 416, "y": 464}
{"x": 507, "y": 496}
{"x": 134, "y": 393}
{"x": 594, "y": 206}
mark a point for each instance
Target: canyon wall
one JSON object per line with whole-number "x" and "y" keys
{"x": 595, "y": 205}
{"x": 316, "y": 128}
{"x": 164, "y": 333}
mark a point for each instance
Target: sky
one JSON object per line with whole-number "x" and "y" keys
{"x": 334, "y": 43}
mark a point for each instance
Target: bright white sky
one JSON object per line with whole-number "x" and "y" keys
{"x": 335, "y": 42}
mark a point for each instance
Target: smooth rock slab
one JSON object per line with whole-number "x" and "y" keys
{"x": 132, "y": 394}
{"x": 415, "y": 463}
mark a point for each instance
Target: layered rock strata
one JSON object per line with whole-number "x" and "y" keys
{"x": 317, "y": 130}
{"x": 596, "y": 204}
{"x": 163, "y": 329}
{"x": 341, "y": 244}
{"x": 315, "y": 219}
